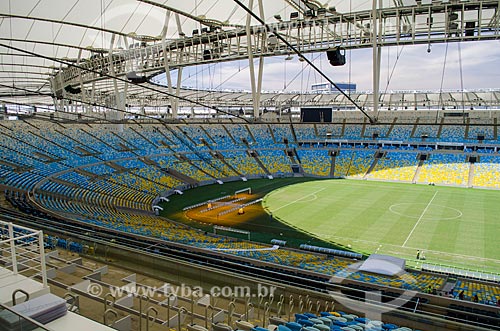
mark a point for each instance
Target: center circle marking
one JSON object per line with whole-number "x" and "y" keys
{"x": 393, "y": 208}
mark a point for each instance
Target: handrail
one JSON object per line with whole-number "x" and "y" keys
{"x": 179, "y": 317}
{"x": 106, "y": 313}
{"x": 209, "y": 306}
{"x": 146, "y": 299}
{"x": 248, "y": 304}
{"x": 148, "y": 316}
{"x": 21, "y": 291}
{"x": 416, "y": 305}
{"x": 267, "y": 306}
{"x": 290, "y": 307}
{"x": 230, "y": 311}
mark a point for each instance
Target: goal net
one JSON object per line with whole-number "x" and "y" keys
{"x": 218, "y": 229}
{"x": 247, "y": 190}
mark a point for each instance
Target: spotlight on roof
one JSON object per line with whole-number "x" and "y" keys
{"x": 272, "y": 41}
{"x": 336, "y": 56}
{"x": 288, "y": 58}
{"x": 134, "y": 78}
{"x": 309, "y": 13}
{"x": 452, "y": 16}
{"x": 72, "y": 90}
{"x": 278, "y": 17}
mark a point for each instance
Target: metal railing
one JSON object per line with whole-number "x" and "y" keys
{"x": 22, "y": 251}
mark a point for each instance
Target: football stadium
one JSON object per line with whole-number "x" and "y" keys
{"x": 250, "y": 165}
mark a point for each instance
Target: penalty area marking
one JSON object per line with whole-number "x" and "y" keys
{"x": 312, "y": 198}
{"x": 297, "y": 200}
{"x": 419, "y": 219}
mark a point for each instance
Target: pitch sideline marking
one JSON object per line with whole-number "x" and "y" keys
{"x": 419, "y": 219}
{"x": 297, "y": 200}
{"x": 275, "y": 247}
{"x": 408, "y": 247}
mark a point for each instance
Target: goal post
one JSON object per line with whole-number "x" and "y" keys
{"x": 232, "y": 230}
{"x": 247, "y": 190}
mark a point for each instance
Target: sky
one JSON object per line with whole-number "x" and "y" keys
{"x": 471, "y": 65}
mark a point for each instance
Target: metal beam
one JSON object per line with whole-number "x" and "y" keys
{"x": 116, "y": 79}
{"x": 312, "y": 65}
{"x": 327, "y": 32}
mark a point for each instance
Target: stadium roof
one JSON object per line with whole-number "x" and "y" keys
{"x": 38, "y": 38}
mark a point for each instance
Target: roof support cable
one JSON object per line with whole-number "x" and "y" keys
{"x": 41, "y": 115}
{"x": 391, "y": 73}
{"x": 293, "y": 48}
{"x": 441, "y": 101}
{"x": 146, "y": 87}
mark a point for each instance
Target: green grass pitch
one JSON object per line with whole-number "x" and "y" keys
{"x": 453, "y": 226}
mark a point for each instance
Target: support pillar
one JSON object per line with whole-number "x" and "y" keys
{"x": 120, "y": 96}
{"x": 256, "y": 84}
{"x": 377, "y": 50}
